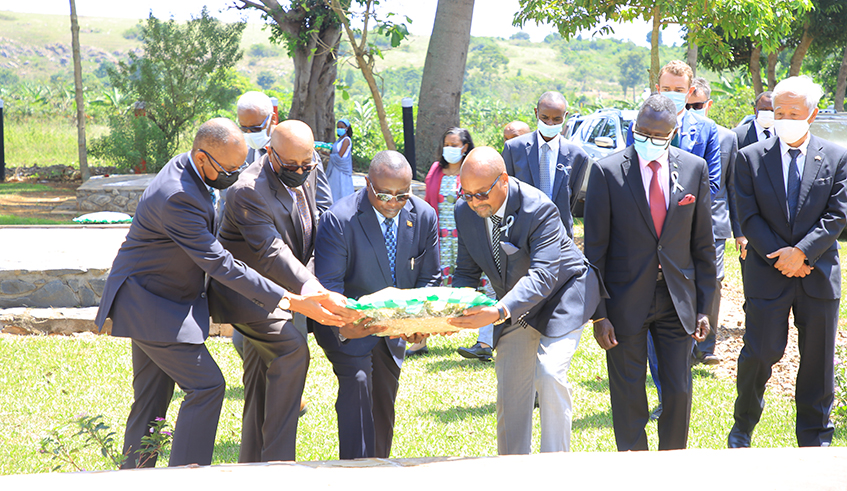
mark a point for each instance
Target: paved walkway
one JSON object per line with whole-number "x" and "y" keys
{"x": 63, "y": 247}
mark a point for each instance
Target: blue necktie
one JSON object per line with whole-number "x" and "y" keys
{"x": 391, "y": 246}
{"x": 544, "y": 179}
{"x": 793, "y": 184}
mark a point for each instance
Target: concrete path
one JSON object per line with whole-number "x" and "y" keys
{"x": 58, "y": 248}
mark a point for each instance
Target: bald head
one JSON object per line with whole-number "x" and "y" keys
{"x": 293, "y": 143}
{"x": 515, "y": 129}
{"x": 391, "y": 164}
{"x": 484, "y": 174}
{"x": 483, "y": 162}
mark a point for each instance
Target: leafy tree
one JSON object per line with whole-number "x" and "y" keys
{"x": 552, "y": 38}
{"x": 650, "y": 37}
{"x": 520, "y": 36}
{"x": 485, "y": 55}
{"x": 266, "y": 79}
{"x": 632, "y": 70}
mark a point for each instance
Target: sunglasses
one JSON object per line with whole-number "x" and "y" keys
{"x": 478, "y": 196}
{"x": 696, "y": 105}
{"x": 220, "y": 167}
{"x": 293, "y": 168}
{"x": 386, "y": 197}
{"x": 641, "y": 138}
{"x": 255, "y": 129}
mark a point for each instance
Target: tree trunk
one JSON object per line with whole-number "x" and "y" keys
{"x": 841, "y": 84}
{"x": 654, "y": 47}
{"x": 444, "y": 72}
{"x": 800, "y": 52}
{"x": 313, "y": 98}
{"x": 80, "y": 101}
{"x": 692, "y": 56}
{"x": 756, "y": 69}
{"x": 772, "y": 59}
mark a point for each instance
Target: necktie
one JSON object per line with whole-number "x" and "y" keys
{"x": 495, "y": 241}
{"x": 214, "y": 197}
{"x": 391, "y": 246}
{"x": 544, "y": 179}
{"x": 305, "y": 218}
{"x": 657, "y": 199}
{"x": 767, "y": 133}
{"x": 793, "y": 184}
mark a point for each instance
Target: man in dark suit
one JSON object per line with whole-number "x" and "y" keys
{"x": 271, "y": 219}
{"x": 546, "y": 292}
{"x": 156, "y": 295}
{"x": 379, "y": 237}
{"x": 791, "y": 204}
{"x": 648, "y": 228}
{"x": 545, "y": 159}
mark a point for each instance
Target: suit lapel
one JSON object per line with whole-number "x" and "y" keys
{"x": 284, "y": 198}
{"x": 814, "y": 161}
{"x": 560, "y": 168}
{"x": 773, "y": 166}
{"x": 309, "y": 189}
{"x": 532, "y": 158}
{"x": 406, "y": 222}
{"x": 674, "y": 165}
{"x": 373, "y": 231}
{"x": 632, "y": 172}
{"x": 513, "y": 205}
{"x": 752, "y": 137}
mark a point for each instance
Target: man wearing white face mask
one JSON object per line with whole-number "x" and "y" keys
{"x": 255, "y": 118}
{"x": 545, "y": 159}
{"x": 759, "y": 128}
{"x": 790, "y": 198}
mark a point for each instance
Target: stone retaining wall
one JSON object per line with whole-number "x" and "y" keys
{"x": 52, "y": 288}
{"x": 114, "y": 193}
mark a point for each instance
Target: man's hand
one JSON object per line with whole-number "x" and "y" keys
{"x": 325, "y": 307}
{"x": 741, "y": 246}
{"x": 415, "y": 338}
{"x": 356, "y": 330}
{"x": 337, "y": 304}
{"x": 702, "y": 328}
{"x": 476, "y": 317}
{"x": 790, "y": 261}
{"x": 604, "y": 333}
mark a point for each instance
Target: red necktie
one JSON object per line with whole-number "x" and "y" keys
{"x": 657, "y": 199}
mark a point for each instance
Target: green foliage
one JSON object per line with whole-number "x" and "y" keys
{"x": 520, "y": 36}
{"x": 265, "y": 51}
{"x": 731, "y": 106}
{"x": 155, "y": 442}
{"x": 266, "y": 79}
{"x": 312, "y": 17}
{"x": 8, "y": 77}
{"x": 485, "y": 119}
{"x": 633, "y": 70}
{"x": 134, "y": 32}
{"x": 22, "y": 187}
{"x": 485, "y": 55}
{"x": 133, "y": 144}
{"x": 839, "y": 408}
{"x": 63, "y": 446}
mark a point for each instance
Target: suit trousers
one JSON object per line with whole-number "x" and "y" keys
{"x": 628, "y": 373}
{"x": 765, "y": 339}
{"x": 528, "y": 362}
{"x": 155, "y": 368}
{"x": 275, "y": 370}
{"x": 367, "y": 389}
{"x": 707, "y": 347}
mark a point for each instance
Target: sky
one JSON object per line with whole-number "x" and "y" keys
{"x": 492, "y": 18}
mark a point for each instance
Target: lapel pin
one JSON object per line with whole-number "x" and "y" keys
{"x": 560, "y": 167}
{"x": 408, "y": 223}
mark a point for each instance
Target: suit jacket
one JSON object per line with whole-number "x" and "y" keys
{"x": 698, "y": 136}
{"x": 521, "y": 155}
{"x": 545, "y": 279}
{"x": 747, "y": 135}
{"x": 621, "y": 240}
{"x": 721, "y": 208}
{"x": 821, "y": 215}
{"x": 351, "y": 259}
{"x": 262, "y": 227}
{"x": 156, "y": 290}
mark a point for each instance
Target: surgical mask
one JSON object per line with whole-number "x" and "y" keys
{"x": 678, "y": 99}
{"x": 649, "y": 151}
{"x": 291, "y": 178}
{"x": 340, "y": 132}
{"x": 549, "y": 131}
{"x": 765, "y": 118}
{"x": 699, "y": 112}
{"x": 257, "y": 140}
{"x": 223, "y": 181}
{"x": 452, "y": 154}
{"x": 791, "y": 130}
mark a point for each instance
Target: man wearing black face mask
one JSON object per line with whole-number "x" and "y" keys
{"x": 156, "y": 295}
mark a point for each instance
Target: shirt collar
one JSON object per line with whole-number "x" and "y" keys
{"x": 381, "y": 218}
{"x": 208, "y": 188}
{"x": 553, "y": 141}
{"x": 662, "y": 160}
{"x": 501, "y": 212}
{"x": 784, "y": 148}
{"x": 680, "y": 117}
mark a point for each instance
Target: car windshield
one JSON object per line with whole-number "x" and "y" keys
{"x": 832, "y": 128}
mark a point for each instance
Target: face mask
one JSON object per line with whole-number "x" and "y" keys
{"x": 678, "y": 99}
{"x": 765, "y": 118}
{"x": 548, "y": 131}
{"x": 452, "y": 154}
{"x": 699, "y": 112}
{"x": 291, "y": 178}
{"x": 340, "y": 132}
{"x": 223, "y": 181}
{"x": 257, "y": 140}
{"x": 649, "y": 151}
{"x": 791, "y": 130}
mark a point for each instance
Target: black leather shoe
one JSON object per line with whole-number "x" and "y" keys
{"x": 738, "y": 438}
{"x": 422, "y": 351}
{"x": 711, "y": 359}
{"x": 656, "y": 413}
{"x": 476, "y": 351}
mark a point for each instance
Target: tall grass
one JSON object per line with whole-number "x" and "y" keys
{"x": 35, "y": 141}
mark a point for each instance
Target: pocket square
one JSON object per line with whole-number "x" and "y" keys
{"x": 509, "y": 248}
{"x": 687, "y": 200}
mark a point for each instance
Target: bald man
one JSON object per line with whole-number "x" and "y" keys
{"x": 270, "y": 224}
{"x": 546, "y": 292}
{"x": 156, "y": 296}
{"x": 515, "y": 129}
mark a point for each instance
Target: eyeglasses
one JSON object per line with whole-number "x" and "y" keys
{"x": 478, "y": 196}
{"x": 220, "y": 167}
{"x": 386, "y": 197}
{"x": 655, "y": 140}
{"x": 696, "y": 105}
{"x": 255, "y": 129}
{"x": 293, "y": 168}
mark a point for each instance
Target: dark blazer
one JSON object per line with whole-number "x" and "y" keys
{"x": 545, "y": 279}
{"x": 747, "y": 135}
{"x": 621, "y": 241}
{"x": 721, "y": 208}
{"x": 350, "y": 258}
{"x": 156, "y": 290}
{"x": 821, "y": 215}
{"x": 521, "y": 155}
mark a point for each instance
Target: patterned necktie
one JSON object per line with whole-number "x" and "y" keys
{"x": 657, "y": 199}
{"x": 305, "y": 218}
{"x": 793, "y": 184}
{"x": 544, "y": 180}
{"x": 767, "y": 133}
{"x": 391, "y": 247}
{"x": 495, "y": 241}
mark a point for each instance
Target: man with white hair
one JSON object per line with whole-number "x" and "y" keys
{"x": 255, "y": 113}
{"x": 790, "y": 198}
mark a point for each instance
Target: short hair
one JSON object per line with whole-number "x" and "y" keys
{"x": 660, "y": 104}
{"x": 390, "y": 161}
{"x": 216, "y": 133}
{"x": 767, "y": 93}
{"x": 255, "y": 101}
{"x": 554, "y": 97}
{"x": 803, "y": 86}
{"x": 463, "y": 134}
{"x": 678, "y": 68}
{"x": 702, "y": 85}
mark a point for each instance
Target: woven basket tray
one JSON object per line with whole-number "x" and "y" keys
{"x": 425, "y": 325}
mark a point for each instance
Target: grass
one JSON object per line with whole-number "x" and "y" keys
{"x": 15, "y": 220}
{"x": 42, "y": 142}
{"x": 22, "y": 187}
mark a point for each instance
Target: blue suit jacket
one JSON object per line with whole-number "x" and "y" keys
{"x": 351, "y": 259}
{"x": 545, "y": 281}
{"x": 521, "y": 157}
{"x": 156, "y": 290}
{"x": 698, "y": 136}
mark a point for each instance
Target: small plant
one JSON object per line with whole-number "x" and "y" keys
{"x": 64, "y": 446}
{"x": 154, "y": 443}
{"x": 839, "y": 406}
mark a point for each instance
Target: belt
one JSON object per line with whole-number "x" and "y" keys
{"x": 660, "y": 276}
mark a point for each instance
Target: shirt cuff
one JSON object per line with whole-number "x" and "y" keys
{"x": 505, "y": 309}
{"x": 311, "y": 287}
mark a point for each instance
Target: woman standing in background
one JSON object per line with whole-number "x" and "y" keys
{"x": 339, "y": 171}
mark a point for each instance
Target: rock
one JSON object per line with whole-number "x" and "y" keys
{"x": 97, "y": 285}
{"x": 87, "y": 298}
{"x": 53, "y": 294}
{"x": 16, "y": 287}
{"x": 100, "y": 199}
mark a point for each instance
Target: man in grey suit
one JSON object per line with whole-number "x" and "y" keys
{"x": 271, "y": 219}
{"x": 156, "y": 295}
{"x": 546, "y": 292}
{"x": 648, "y": 228}
{"x": 379, "y": 237}
{"x": 545, "y": 159}
{"x": 791, "y": 204}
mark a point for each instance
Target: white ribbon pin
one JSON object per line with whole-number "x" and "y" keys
{"x": 676, "y": 185}
{"x": 510, "y": 220}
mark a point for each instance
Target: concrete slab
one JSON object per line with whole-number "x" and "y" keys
{"x": 771, "y": 469}
{"x": 60, "y": 248}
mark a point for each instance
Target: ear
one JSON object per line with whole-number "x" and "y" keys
{"x": 814, "y": 115}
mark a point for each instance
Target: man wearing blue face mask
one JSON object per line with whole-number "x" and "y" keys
{"x": 648, "y": 229}
{"x": 545, "y": 159}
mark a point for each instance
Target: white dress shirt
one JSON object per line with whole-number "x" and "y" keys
{"x": 490, "y": 225}
{"x": 554, "y": 154}
{"x": 760, "y": 131}
{"x": 786, "y": 159}
{"x": 664, "y": 177}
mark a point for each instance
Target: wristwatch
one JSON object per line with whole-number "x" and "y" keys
{"x": 502, "y": 311}
{"x": 285, "y": 302}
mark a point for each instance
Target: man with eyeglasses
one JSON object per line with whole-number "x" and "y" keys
{"x": 156, "y": 296}
{"x": 546, "y": 292}
{"x": 254, "y": 111}
{"x": 381, "y": 236}
{"x": 648, "y": 228}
